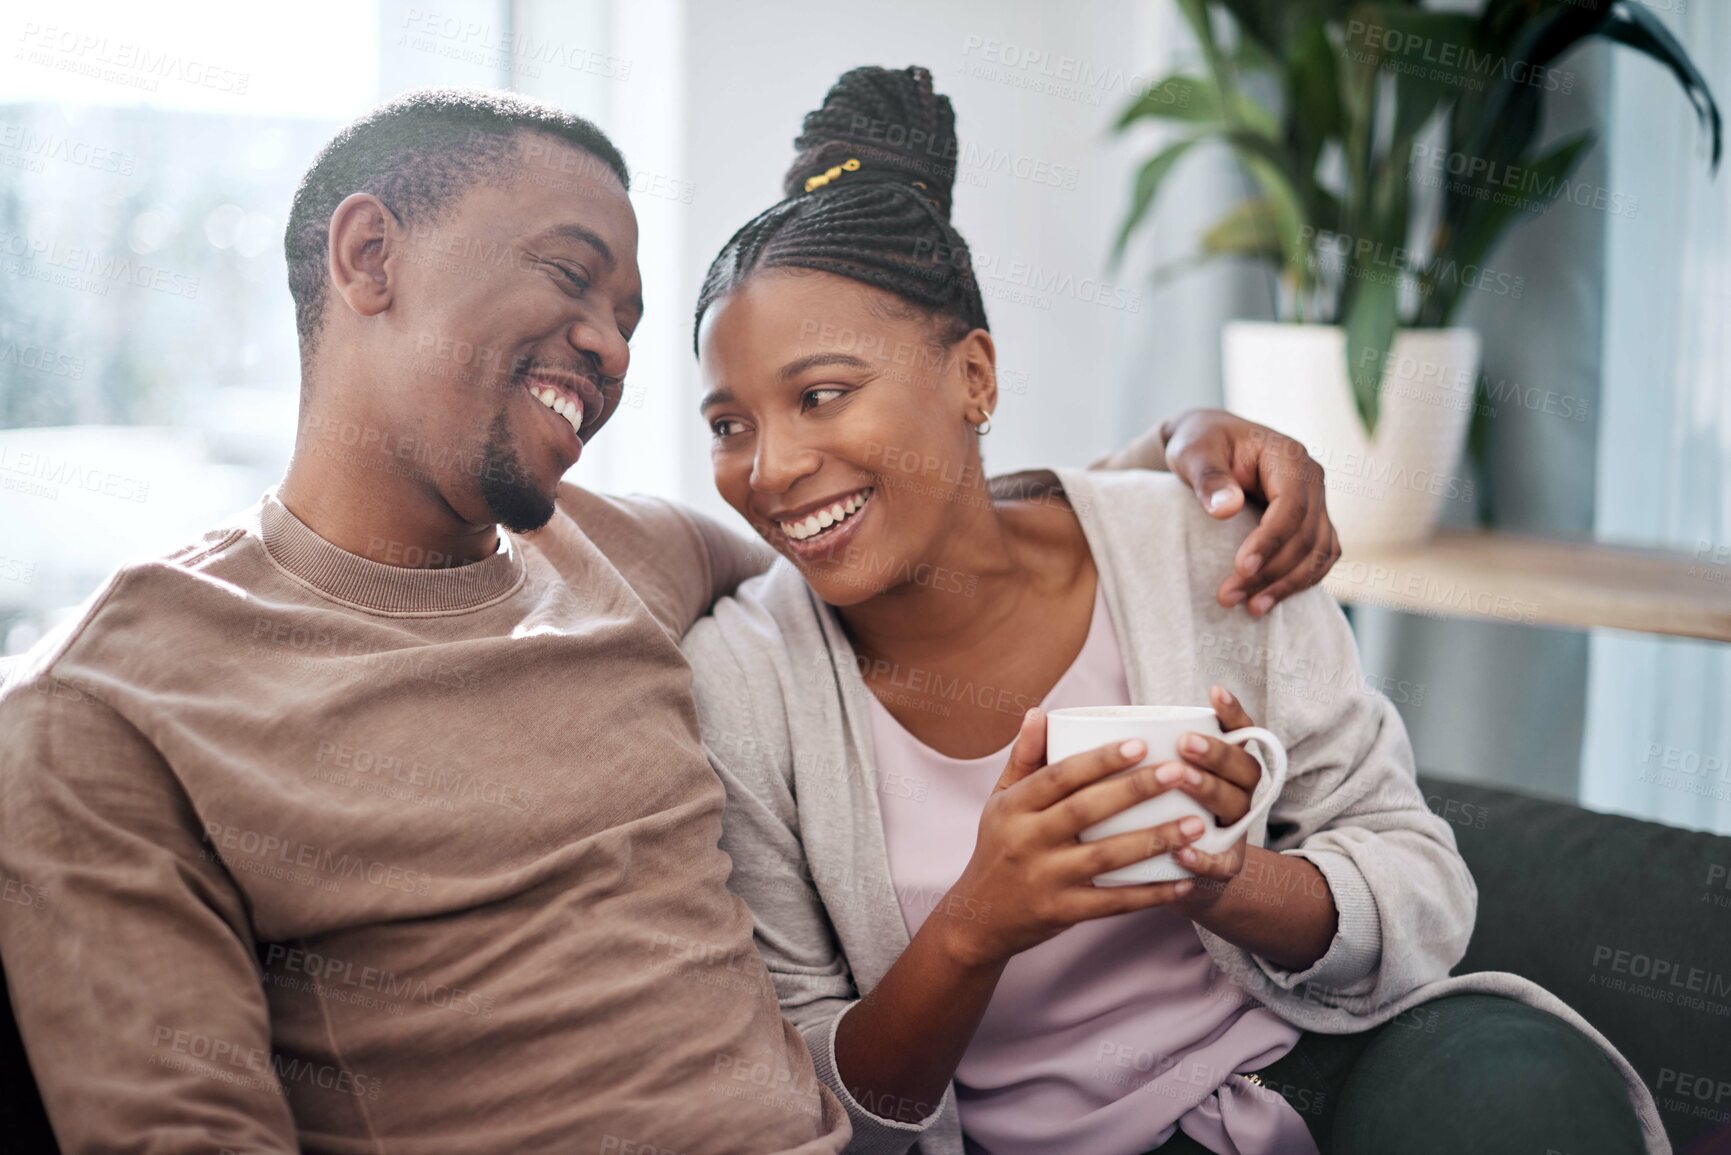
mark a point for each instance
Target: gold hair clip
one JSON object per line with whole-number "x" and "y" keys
{"x": 851, "y": 164}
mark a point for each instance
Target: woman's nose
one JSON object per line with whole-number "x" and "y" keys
{"x": 780, "y": 462}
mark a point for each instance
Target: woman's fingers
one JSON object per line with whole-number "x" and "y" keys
{"x": 1213, "y": 758}
{"x": 1205, "y": 865}
{"x": 1220, "y": 797}
{"x": 1087, "y": 902}
{"x": 1228, "y": 709}
{"x": 1048, "y": 784}
{"x": 1090, "y": 858}
{"x": 1028, "y": 752}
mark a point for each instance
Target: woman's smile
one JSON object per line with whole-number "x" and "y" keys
{"x": 815, "y": 531}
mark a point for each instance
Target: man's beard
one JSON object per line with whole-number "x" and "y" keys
{"x": 510, "y": 493}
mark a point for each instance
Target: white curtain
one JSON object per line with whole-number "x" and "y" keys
{"x": 1658, "y": 737}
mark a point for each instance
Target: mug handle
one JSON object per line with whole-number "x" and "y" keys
{"x": 1264, "y": 795}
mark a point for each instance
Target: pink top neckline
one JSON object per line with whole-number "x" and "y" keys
{"x": 1109, "y": 1036}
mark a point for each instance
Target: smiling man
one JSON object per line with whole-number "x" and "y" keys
{"x": 367, "y": 825}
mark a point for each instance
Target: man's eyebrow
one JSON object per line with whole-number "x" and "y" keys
{"x": 576, "y": 232}
{"x": 715, "y": 397}
{"x": 818, "y": 360}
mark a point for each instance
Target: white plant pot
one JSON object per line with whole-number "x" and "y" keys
{"x": 1386, "y": 488}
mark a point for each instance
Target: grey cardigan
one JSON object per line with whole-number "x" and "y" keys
{"x": 785, "y": 718}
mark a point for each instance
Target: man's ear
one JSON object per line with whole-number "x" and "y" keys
{"x": 976, "y": 358}
{"x": 362, "y": 236}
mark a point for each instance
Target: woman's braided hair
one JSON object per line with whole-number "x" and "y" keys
{"x": 884, "y": 223}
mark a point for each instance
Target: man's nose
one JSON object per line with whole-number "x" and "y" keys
{"x": 603, "y": 345}
{"x": 781, "y": 460}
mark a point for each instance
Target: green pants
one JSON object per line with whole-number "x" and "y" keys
{"x": 1465, "y": 1075}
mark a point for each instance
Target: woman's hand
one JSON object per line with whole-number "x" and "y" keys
{"x": 1222, "y": 777}
{"x": 1029, "y": 871}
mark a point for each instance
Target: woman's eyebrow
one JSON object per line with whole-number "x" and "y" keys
{"x": 818, "y": 360}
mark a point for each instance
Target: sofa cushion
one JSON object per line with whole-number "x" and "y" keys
{"x": 1629, "y": 922}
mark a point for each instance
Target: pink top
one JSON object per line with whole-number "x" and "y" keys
{"x": 1106, "y": 1037}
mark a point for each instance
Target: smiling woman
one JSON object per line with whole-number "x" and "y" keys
{"x": 943, "y": 1029}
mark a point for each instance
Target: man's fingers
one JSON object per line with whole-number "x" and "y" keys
{"x": 1206, "y": 464}
{"x": 1061, "y": 779}
{"x": 1300, "y": 579}
{"x": 1028, "y": 753}
{"x": 1289, "y": 562}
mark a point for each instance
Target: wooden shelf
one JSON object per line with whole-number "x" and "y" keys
{"x": 1498, "y": 577}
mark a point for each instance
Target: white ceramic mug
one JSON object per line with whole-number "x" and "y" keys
{"x": 1082, "y": 728}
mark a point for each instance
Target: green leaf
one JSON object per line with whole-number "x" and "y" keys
{"x": 1177, "y": 97}
{"x": 1635, "y": 26}
{"x": 1250, "y": 228}
{"x": 1149, "y": 178}
{"x": 1370, "y": 328}
{"x": 1487, "y": 219}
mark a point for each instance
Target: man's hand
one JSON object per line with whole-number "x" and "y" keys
{"x": 1224, "y": 458}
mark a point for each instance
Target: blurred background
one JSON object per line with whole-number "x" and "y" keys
{"x": 148, "y": 368}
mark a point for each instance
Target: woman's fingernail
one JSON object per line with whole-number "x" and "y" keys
{"x": 1193, "y": 776}
{"x": 1250, "y": 565}
{"x": 1191, "y": 827}
{"x": 1183, "y": 887}
{"x": 1169, "y": 773}
{"x": 1226, "y": 695}
{"x": 1261, "y": 604}
{"x": 1233, "y": 597}
{"x": 1186, "y": 855}
{"x": 1193, "y": 744}
{"x": 1219, "y": 498}
{"x": 1133, "y": 748}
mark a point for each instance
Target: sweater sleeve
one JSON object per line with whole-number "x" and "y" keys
{"x": 132, "y": 969}
{"x": 745, "y": 731}
{"x": 1352, "y": 807}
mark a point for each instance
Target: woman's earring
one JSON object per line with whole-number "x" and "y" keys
{"x": 985, "y": 425}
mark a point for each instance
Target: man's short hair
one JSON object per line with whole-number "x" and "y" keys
{"x": 417, "y": 153}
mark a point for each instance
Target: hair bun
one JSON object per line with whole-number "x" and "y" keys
{"x": 891, "y": 120}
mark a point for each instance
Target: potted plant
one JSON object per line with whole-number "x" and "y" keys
{"x": 1391, "y": 147}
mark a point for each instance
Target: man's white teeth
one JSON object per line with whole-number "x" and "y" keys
{"x": 557, "y": 402}
{"x": 815, "y": 523}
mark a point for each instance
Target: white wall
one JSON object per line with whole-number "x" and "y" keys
{"x": 751, "y": 70}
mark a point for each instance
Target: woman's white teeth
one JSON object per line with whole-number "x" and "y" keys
{"x": 556, "y": 401}
{"x": 815, "y": 523}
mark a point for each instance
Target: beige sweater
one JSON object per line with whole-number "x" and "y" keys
{"x": 339, "y": 857}
{"x": 785, "y": 718}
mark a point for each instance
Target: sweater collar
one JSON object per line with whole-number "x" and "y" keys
{"x": 386, "y": 589}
